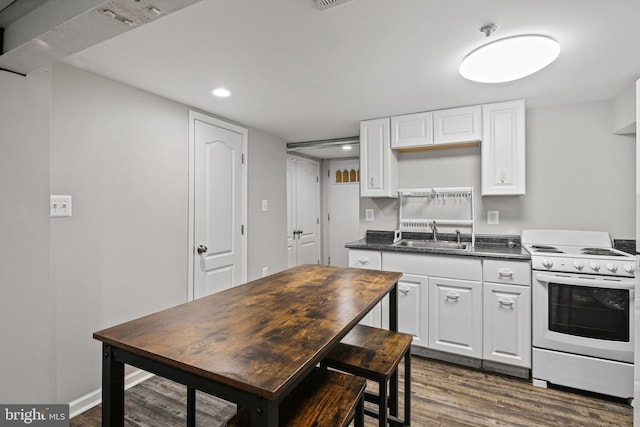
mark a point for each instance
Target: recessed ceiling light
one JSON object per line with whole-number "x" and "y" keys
{"x": 510, "y": 58}
{"x": 347, "y": 147}
{"x": 221, "y": 92}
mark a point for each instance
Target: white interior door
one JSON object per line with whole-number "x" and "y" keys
{"x": 219, "y": 193}
{"x": 303, "y": 207}
{"x": 344, "y": 205}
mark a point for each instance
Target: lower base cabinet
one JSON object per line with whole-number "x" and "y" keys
{"x": 412, "y": 307}
{"x": 507, "y": 324}
{"x": 455, "y": 316}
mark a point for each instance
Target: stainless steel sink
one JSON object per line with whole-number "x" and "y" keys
{"x": 437, "y": 244}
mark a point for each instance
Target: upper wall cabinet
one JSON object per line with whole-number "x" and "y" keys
{"x": 378, "y": 163}
{"x": 503, "y": 148}
{"x": 457, "y": 125}
{"x": 412, "y": 130}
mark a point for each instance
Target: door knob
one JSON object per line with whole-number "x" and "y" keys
{"x": 202, "y": 249}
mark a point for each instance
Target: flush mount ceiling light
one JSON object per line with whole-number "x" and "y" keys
{"x": 510, "y": 58}
{"x": 221, "y": 92}
{"x": 347, "y": 147}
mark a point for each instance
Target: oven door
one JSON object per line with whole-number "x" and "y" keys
{"x": 586, "y": 315}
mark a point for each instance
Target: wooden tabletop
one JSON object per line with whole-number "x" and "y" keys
{"x": 260, "y": 336}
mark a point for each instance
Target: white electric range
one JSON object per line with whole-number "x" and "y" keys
{"x": 582, "y": 311}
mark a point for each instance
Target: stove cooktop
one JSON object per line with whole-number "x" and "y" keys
{"x": 574, "y": 251}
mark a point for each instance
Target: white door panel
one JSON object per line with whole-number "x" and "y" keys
{"x": 303, "y": 211}
{"x": 219, "y": 203}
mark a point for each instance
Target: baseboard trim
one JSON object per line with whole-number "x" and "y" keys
{"x": 94, "y": 398}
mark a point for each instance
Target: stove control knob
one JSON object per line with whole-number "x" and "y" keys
{"x": 594, "y": 266}
{"x": 612, "y": 267}
{"x": 547, "y": 263}
{"x": 629, "y": 268}
{"x": 578, "y": 265}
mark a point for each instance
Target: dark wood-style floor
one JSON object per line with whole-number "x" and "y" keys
{"x": 442, "y": 395}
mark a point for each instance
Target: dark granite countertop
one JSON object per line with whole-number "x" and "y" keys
{"x": 486, "y": 246}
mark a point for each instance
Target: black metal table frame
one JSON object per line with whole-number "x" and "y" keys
{"x": 264, "y": 411}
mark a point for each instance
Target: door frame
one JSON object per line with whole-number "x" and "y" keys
{"x": 193, "y": 116}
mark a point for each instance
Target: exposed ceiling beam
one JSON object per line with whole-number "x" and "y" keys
{"x": 56, "y": 29}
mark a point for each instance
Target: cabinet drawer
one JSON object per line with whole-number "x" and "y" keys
{"x": 371, "y": 260}
{"x": 510, "y": 272}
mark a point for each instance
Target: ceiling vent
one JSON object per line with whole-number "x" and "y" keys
{"x": 326, "y": 4}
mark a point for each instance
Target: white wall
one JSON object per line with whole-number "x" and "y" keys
{"x": 579, "y": 175}
{"x": 122, "y": 154}
{"x": 27, "y": 305}
{"x": 267, "y": 236}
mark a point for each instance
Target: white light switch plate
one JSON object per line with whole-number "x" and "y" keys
{"x": 265, "y": 206}
{"x": 368, "y": 214}
{"x": 493, "y": 217}
{"x": 59, "y": 206}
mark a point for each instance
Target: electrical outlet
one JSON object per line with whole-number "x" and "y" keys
{"x": 59, "y": 206}
{"x": 493, "y": 217}
{"x": 265, "y": 271}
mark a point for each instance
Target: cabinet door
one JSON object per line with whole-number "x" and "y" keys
{"x": 378, "y": 163}
{"x": 507, "y": 324}
{"x": 455, "y": 316}
{"x": 503, "y": 148}
{"x": 412, "y": 130}
{"x": 457, "y": 125}
{"x": 370, "y": 260}
{"x": 412, "y": 307}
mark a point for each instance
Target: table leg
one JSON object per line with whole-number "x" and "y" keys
{"x": 393, "y": 326}
{"x": 265, "y": 414}
{"x": 191, "y": 407}
{"x": 407, "y": 388}
{"x": 112, "y": 389}
{"x": 393, "y": 308}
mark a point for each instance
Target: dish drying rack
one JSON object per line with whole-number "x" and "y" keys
{"x": 434, "y": 194}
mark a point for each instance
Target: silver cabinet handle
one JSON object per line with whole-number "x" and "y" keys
{"x": 202, "y": 249}
{"x": 371, "y": 180}
{"x": 404, "y": 291}
{"x": 363, "y": 260}
{"x": 505, "y": 272}
{"x": 507, "y": 302}
{"x": 453, "y": 296}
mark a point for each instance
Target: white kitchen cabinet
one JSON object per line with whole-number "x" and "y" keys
{"x": 412, "y": 130}
{"x": 370, "y": 260}
{"x": 456, "y": 125}
{"x": 507, "y": 312}
{"x": 503, "y": 148}
{"x": 412, "y": 307}
{"x": 455, "y": 316}
{"x": 378, "y": 163}
{"x": 507, "y": 324}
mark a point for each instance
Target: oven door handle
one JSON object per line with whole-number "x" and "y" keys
{"x": 583, "y": 281}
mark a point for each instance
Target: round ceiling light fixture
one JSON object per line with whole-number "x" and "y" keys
{"x": 510, "y": 58}
{"x": 221, "y": 92}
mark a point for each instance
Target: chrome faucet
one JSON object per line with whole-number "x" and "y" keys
{"x": 435, "y": 231}
{"x": 458, "y": 239}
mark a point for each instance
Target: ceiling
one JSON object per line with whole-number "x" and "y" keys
{"x": 304, "y": 74}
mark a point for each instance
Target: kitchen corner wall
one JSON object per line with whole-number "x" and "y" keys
{"x": 579, "y": 175}
{"x": 122, "y": 154}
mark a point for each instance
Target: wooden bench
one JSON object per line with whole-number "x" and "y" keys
{"x": 323, "y": 399}
{"x": 375, "y": 354}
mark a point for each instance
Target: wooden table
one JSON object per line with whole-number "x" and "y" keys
{"x": 251, "y": 344}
